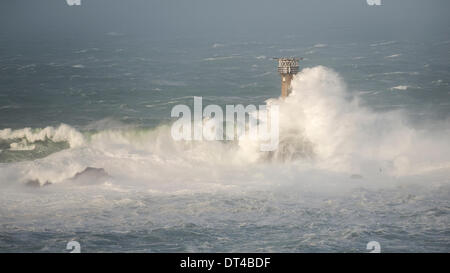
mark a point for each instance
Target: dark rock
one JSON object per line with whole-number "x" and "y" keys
{"x": 91, "y": 175}
{"x": 33, "y": 183}
{"x": 87, "y": 176}
{"x": 36, "y": 183}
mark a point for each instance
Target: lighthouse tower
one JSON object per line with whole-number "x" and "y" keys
{"x": 287, "y": 67}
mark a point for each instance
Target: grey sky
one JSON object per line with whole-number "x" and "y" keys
{"x": 222, "y": 20}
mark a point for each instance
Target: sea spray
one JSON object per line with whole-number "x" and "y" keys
{"x": 322, "y": 127}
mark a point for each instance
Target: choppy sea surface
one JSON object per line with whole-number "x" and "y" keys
{"x": 364, "y": 148}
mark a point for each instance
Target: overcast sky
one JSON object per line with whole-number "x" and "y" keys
{"x": 224, "y": 20}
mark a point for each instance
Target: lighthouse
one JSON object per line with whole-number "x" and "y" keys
{"x": 287, "y": 67}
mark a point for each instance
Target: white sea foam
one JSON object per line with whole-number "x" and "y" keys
{"x": 393, "y": 56}
{"x": 21, "y": 146}
{"x": 218, "y": 58}
{"x": 411, "y": 73}
{"x": 320, "y": 45}
{"x": 400, "y": 87}
{"x": 63, "y": 133}
{"x": 383, "y": 43}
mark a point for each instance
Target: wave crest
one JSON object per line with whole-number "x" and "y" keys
{"x": 62, "y": 133}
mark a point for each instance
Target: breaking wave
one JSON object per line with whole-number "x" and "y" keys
{"x": 322, "y": 128}
{"x": 63, "y": 133}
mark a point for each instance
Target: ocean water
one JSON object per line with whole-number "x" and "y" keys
{"x": 364, "y": 148}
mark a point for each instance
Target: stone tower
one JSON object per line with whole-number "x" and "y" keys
{"x": 287, "y": 67}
